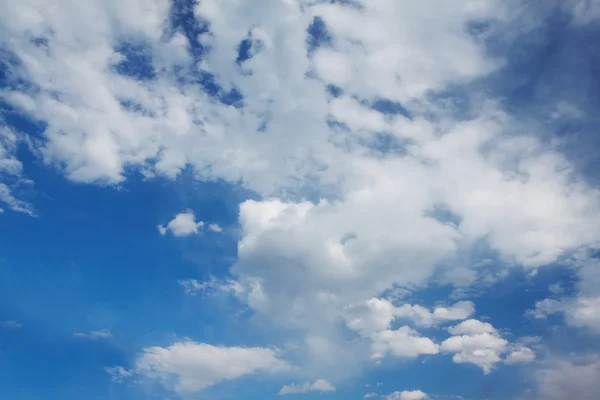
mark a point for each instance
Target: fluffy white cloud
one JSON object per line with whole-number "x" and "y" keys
{"x": 402, "y": 342}
{"x": 407, "y": 395}
{"x": 472, "y": 327}
{"x": 196, "y": 366}
{"x": 183, "y": 224}
{"x": 369, "y": 395}
{"x": 320, "y": 385}
{"x": 101, "y": 334}
{"x": 479, "y": 344}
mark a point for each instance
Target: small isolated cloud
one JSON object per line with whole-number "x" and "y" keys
{"x": 183, "y": 224}
{"x": 407, "y": 395}
{"x": 215, "y": 228}
{"x": 118, "y": 374}
{"x": 369, "y": 395}
{"x": 320, "y": 385}
{"x": 101, "y": 334}
{"x": 190, "y": 366}
{"x": 10, "y": 324}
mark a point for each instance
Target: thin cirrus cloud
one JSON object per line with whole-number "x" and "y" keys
{"x": 95, "y": 335}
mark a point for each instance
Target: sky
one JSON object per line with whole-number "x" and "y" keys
{"x": 303, "y": 199}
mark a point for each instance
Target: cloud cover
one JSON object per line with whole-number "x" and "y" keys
{"x": 396, "y": 195}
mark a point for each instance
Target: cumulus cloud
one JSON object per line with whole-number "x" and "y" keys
{"x": 407, "y": 395}
{"x": 101, "y": 334}
{"x": 479, "y": 343}
{"x": 402, "y": 342}
{"x": 472, "y": 327}
{"x": 194, "y": 366}
{"x": 183, "y": 224}
{"x": 320, "y": 385}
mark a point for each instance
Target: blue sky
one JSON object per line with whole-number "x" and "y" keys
{"x": 299, "y": 199}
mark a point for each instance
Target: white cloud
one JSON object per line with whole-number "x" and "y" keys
{"x": 10, "y": 324}
{"x": 101, "y": 334}
{"x": 520, "y": 355}
{"x": 215, "y": 228}
{"x": 545, "y": 307}
{"x": 479, "y": 343}
{"x": 423, "y": 317}
{"x": 195, "y": 366}
{"x": 302, "y": 264}
{"x": 183, "y": 224}
{"x": 408, "y": 395}
{"x": 320, "y": 385}
{"x": 472, "y": 327}
{"x": 585, "y": 312}
{"x": 369, "y": 395}
{"x": 402, "y": 342}
{"x": 14, "y": 203}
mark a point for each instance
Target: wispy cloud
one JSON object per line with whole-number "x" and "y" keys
{"x": 101, "y": 334}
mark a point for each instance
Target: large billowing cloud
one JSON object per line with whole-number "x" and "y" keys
{"x": 404, "y": 182}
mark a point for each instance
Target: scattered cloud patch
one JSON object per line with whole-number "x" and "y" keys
{"x": 119, "y": 374}
{"x": 320, "y": 385}
{"x": 193, "y": 287}
{"x": 215, "y": 228}
{"x": 407, "y": 395}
